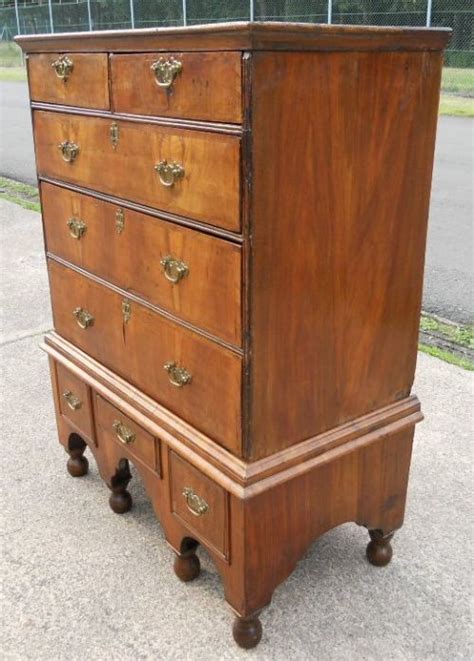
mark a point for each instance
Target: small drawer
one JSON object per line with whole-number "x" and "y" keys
{"x": 70, "y": 79}
{"x": 200, "y": 503}
{"x": 205, "y": 86}
{"x": 74, "y": 400}
{"x": 115, "y": 427}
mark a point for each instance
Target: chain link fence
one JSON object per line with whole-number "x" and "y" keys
{"x": 35, "y": 16}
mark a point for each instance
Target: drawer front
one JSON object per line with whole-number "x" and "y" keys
{"x": 115, "y": 427}
{"x": 74, "y": 400}
{"x": 193, "y": 275}
{"x": 138, "y": 343}
{"x": 70, "y": 79}
{"x": 199, "y": 502}
{"x": 204, "y": 86}
{"x": 197, "y": 176}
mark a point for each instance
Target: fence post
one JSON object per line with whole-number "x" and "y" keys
{"x": 17, "y": 14}
{"x": 329, "y": 12}
{"x": 89, "y": 15}
{"x": 132, "y": 15}
{"x": 428, "y": 13}
{"x": 185, "y": 18}
{"x": 51, "y": 24}
{"x": 252, "y": 10}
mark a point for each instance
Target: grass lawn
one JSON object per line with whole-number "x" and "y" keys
{"x": 22, "y": 194}
{"x": 458, "y": 81}
{"x": 12, "y": 73}
{"x": 460, "y": 106}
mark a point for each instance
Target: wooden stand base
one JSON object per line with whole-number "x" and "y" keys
{"x": 244, "y": 514}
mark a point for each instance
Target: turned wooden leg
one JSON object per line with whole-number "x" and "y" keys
{"x": 379, "y": 550}
{"x": 77, "y": 464}
{"x": 120, "y": 500}
{"x": 186, "y": 565}
{"x": 247, "y": 631}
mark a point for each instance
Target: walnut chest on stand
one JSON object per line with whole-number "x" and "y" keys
{"x": 235, "y": 220}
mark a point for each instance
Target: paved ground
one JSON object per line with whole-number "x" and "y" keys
{"x": 79, "y": 582}
{"x": 449, "y": 274}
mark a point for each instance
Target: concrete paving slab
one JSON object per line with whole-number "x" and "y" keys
{"x": 79, "y": 582}
{"x": 24, "y": 298}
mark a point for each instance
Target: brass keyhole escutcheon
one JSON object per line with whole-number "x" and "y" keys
{"x": 114, "y": 134}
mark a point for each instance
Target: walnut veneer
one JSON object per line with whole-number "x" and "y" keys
{"x": 235, "y": 223}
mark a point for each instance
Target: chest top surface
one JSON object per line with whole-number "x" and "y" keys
{"x": 243, "y": 36}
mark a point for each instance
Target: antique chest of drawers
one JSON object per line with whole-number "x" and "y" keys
{"x": 234, "y": 220}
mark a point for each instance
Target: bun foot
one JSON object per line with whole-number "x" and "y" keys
{"x": 379, "y": 550}
{"x": 247, "y": 631}
{"x": 120, "y": 501}
{"x": 77, "y": 466}
{"x": 187, "y": 567}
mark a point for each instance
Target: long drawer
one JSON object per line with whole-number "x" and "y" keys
{"x": 189, "y": 173}
{"x": 195, "y": 378}
{"x": 204, "y": 86}
{"x": 191, "y": 274}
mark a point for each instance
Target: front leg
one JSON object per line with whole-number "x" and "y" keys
{"x": 120, "y": 499}
{"x": 77, "y": 465}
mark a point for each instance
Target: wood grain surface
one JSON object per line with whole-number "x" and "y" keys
{"x": 339, "y": 218}
{"x": 209, "y": 190}
{"x": 86, "y": 86}
{"x": 207, "y": 88}
{"x": 208, "y": 297}
{"x": 263, "y": 35}
{"x": 138, "y": 350}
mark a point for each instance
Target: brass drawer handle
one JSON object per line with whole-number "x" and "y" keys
{"x": 84, "y": 319}
{"x": 63, "y": 67}
{"x": 166, "y": 70}
{"x": 196, "y": 504}
{"x": 72, "y": 401}
{"x": 77, "y": 228}
{"x": 124, "y": 434}
{"x": 178, "y": 376}
{"x": 169, "y": 173}
{"x": 69, "y": 151}
{"x": 174, "y": 269}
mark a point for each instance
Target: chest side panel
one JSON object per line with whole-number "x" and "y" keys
{"x": 342, "y": 159}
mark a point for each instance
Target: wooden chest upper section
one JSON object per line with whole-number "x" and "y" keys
{"x": 272, "y": 187}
